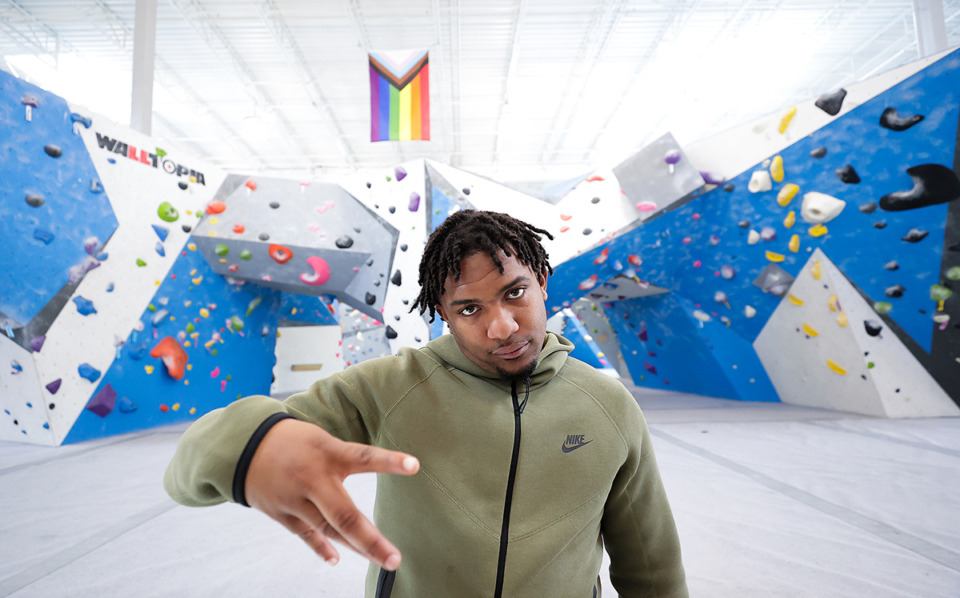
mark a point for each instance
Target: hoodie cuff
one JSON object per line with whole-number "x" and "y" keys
{"x": 243, "y": 465}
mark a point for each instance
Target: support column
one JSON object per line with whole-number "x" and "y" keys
{"x": 144, "y": 51}
{"x": 930, "y": 26}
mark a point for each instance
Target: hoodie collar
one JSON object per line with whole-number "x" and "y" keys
{"x": 552, "y": 357}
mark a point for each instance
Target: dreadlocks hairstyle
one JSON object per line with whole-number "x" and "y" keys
{"x": 467, "y": 232}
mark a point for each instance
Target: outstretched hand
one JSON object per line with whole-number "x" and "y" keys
{"x": 296, "y": 477}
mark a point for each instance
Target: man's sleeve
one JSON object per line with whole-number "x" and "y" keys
{"x": 638, "y": 527}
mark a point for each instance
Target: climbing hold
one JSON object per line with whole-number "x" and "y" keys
{"x": 790, "y": 219}
{"x": 820, "y": 207}
{"x": 255, "y": 302}
{"x": 173, "y": 356}
{"x": 776, "y": 169}
{"x": 320, "y": 274}
{"x": 103, "y": 402}
{"x": 403, "y": 247}
{"x": 744, "y": 224}
{"x": 894, "y": 291}
{"x": 873, "y": 327}
{"x": 753, "y": 237}
{"x": 29, "y": 102}
{"x": 34, "y": 200}
{"x": 818, "y": 152}
{"x": 53, "y": 151}
{"x": 842, "y": 320}
{"x": 89, "y": 372}
{"x": 831, "y": 102}
{"x": 126, "y": 405}
{"x": 940, "y": 293}
{"x": 587, "y": 231}
{"x": 815, "y": 270}
{"x": 932, "y": 184}
{"x": 891, "y": 119}
{"x": 235, "y": 323}
{"x": 701, "y": 315}
{"x": 161, "y": 231}
{"x": 848, "y": 175}
{"x": 880, "y": 225}
{"x": 53, "y": 387}
{"x": 882, "y": 307}
{"x": 264, "y": 237}
{"x": 647, "y": 206}
{"x": 818, "y": 230}
{"x": 768, "y": 233}
{"x": 727, "y": 272}
{"x": 44, "y": 236}
{"x": 414, "y": 204}
{"x": 915, "y": 236}
{"x": 344, "y": 242}
{"x": 794, "y": 244}
{"x": 953, "y": 273}
{"x": 400, "y": 173}
{"x": 634, "y": 260}
{"x": 833, "y": 303}
{"x": 397, "y": 278}
{"x": 836, "y": 368}
{"x": 794, "y": 299}
{"x": 588, "y": 284}
{"x": 36, "y": 343}
{"x": 650, "y": 367}
{"x": 721, "y": 298}
{"x": 749, "y": 311}
{"x": 729, "y": 187}
{"x": 280, "y": 254}
{"x": 90, "y": 245}
{"x": 84, "y": 306}
{"x": 221, "y": 250}
{"x": 602, "y": 257}
{"x": 251, "y": 184}
{"x": 810, "y": 330}
{"x": 671, "y": 158}
{"x": 785, "y": 120}
{"x": 238, "y": 228}
{"x": 159, "y": 249}
{"x": 167, "y": 212}
{"x": 786, "y": 194}
{"x": 892, "y": 265}
{"x": 759, "y": 182}
{"x": 182, "y": 185}
{"x": 370, "y": 298}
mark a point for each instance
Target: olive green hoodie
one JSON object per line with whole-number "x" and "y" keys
{"x": 573, "y": 450}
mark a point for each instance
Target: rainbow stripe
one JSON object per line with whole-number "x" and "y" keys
{"x": 399, "y": 96}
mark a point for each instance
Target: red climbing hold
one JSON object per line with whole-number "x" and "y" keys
{"x": 251, "y": 184}
{"x": 280, "y": 254}
{"x": 216, "y": 206}
{"x": 238, "y": 228}
{"x": 173, "y": 356}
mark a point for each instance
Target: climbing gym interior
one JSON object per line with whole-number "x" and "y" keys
{"x": 755, "y": 220}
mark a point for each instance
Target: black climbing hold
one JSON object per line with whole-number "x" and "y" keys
{"x": 587, "y": 231}
{"x": 344, "y": 242}
{"x": 182, "y": 185}
{"x": 892, "y": 265}
{"x": 595, "y": 200}
{"x": 894, "y": 291}
{"x": 392, "y": 209}
{"x": 52, "y": 406}
{"x": 356, "y": 229}
{"x": 186, "y": 228}
{"x": 376, "y": 283}
{"x": 403, "y": 247}
{"x": 397, "y": 318}
{"x": 848, "y": 175}
{"x": 406, "y": 301}
{"x": 370, "y": 262}
{"x": 369, "y": 185}
{"x": 466, "y": 191}
{"x": 390, "y": 332}
{"x": 53, "y": 151}
{"x": 915, "y": 236}
{"x": 873, "y": 327}
{"x": 274, "y": 204}
{"x": 880, "y": 224}
{"x": 416, "y": 338}
{"x": 35, "y": 200}
{"x": 932, "y": 184}
{"x": 264, "y": 237}
{"x": 370, "y": 298}
{"x": 729, "y": 187}
{"x": 831, "y": 102}
{"x": 890, "y": 119}
{"x": 744, "y": 224}
{"x": 868, "y": 208}
{"x": 397, "y": 278}
{"x": 818, "y": 152}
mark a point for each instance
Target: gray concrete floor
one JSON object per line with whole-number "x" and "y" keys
{"x": 770, "y": 500}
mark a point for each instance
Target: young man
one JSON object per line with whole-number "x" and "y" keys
{"x": 515, "y": 464}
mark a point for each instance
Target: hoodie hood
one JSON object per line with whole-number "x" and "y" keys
{"x": 552, "y": 357}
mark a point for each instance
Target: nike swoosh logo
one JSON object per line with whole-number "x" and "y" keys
{"x": 569, "y": 448}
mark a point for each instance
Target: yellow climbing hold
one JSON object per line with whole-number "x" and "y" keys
{"x": 785, "y": 121}
{"x": 809, "y": 330}
{"x": 176, "y": 407}
{"x": 204, "y": 312}
{"x": 794, "y": 244}
{"x": 786, "y": 194}
{"x": 148, "y": 369}
{"x": 193, "y": 410}
{"x": 842, "y": 320}
{"x": 833, "y": 303}
{"x": 775, "y": 257}
{"x": 817, "y": 230}
{"x": 794, "y": 299}
{"x": 214, "y": 220}
{"x": 815, "y": 270}
{"x": 836, "y": 368}
{"x": 192, "y": 247}
{"x": 776, "y": 171}
{"x": 790, "y": 220}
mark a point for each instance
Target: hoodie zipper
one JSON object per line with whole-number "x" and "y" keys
{"x": 518, "y": 408}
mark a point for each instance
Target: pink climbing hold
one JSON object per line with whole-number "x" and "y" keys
{"x": 646, "y": 206}
{"x": 223, "y": 385}
{"x": 321, "y": 272}
{"x": 215, "y": 372}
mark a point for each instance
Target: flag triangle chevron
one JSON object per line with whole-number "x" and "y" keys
{"x": 399, "y": 73}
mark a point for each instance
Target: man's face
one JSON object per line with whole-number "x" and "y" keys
{"x": 498, "y": 320}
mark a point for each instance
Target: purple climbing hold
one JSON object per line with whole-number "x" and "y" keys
{"x": 672, "y": 157}
{"x": 414, "y": 204}
{"x": 89, "y": 372}
{"x": 90, "y": 244}
{"x": 643, "y": 335}
{"x": 36, "y": 343}
{"x": 650, "y": 368}
{"x": 400, "y": 173}
{"x": 103, "y": 402}
{"x": 709, "y": 179}
{"x": 53, "y": 387}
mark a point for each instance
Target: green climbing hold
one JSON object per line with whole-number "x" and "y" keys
{"x": 953, "y": 273}
{"x": 190, "y": 327}
{"x": 152, "y": 307}
{"x": 882, "y": 307}
{"x": 869, "y": 365}
{"x": 141, "y": 263}
{"x": 253, "y": 305}
{"x": 939, "y": 293}
{"x": 167, "y": 212}
{"x": 245, "y": 254}
{"x": 221, "y": 250}
{"x": 237, "y": 323}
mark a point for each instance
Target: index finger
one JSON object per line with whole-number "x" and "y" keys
{"x": 345, "y": 522}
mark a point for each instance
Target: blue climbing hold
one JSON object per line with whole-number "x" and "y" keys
{"x": 161, "y": 231}
{"x": 84, "y": 306}
{"x": 89, "y": 372}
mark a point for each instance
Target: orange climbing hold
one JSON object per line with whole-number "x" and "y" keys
{"x": 216, "y": 206}
{"x": 173, "y": 356}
